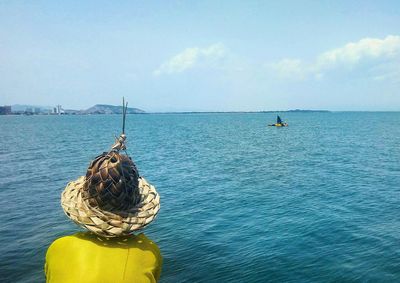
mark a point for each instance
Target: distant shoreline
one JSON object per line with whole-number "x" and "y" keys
{"x": 232, "y": 112}
{"x": 104, "y": 109}
{"x": 198, "y": 113}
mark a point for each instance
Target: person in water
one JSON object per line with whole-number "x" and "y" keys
{"x": 112, "y": 202}
{"x": 279, "y": 122}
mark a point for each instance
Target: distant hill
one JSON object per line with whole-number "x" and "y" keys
{"x": 111, "y": 109}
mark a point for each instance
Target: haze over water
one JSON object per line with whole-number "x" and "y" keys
{"x": 318, "y": 201}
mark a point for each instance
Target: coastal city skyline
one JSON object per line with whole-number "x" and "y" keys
{"x": 204, "y": 56}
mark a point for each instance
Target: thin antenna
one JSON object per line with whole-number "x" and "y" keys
{"x": 120, "y": 142}
{"x": 123, "y": 114}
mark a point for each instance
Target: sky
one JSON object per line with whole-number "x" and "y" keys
{"x": 202, "y": 55}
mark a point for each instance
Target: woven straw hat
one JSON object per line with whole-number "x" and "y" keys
{"x": 111, "y": 200}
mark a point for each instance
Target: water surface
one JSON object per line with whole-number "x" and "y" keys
{"x": 318, "y": 201}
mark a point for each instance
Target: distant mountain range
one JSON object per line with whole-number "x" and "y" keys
{"x": 111, "y": 109}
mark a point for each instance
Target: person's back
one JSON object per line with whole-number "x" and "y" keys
{"x": 84, "y": 257}
{"x": 113, "y": 202}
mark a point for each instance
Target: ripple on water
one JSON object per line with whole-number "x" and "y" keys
{"x": 241, "y": 202}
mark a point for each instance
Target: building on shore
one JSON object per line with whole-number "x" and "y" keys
{"x": 58, "y": 110}
{"x": 5, "y": 110}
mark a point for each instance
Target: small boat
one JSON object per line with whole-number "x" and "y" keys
{"x": 279, "y": 123}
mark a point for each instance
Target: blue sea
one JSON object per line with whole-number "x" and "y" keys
{"x": 318, "y": 201}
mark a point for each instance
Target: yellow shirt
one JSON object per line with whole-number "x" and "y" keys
{"x": 85, "y": 257}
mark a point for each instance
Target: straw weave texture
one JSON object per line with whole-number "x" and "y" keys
{"x": 112, "y": 182}
{"x": 106, "y": 223}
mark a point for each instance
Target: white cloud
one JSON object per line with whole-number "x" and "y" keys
{"x": 354, "y": 52}
{"x": 192, "y": 57}
{"x": 351, "y": 54}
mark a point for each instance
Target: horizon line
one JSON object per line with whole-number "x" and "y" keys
{"x": 211, "y": 111}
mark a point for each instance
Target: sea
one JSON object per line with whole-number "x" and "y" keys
{"x": 318, "y": 201}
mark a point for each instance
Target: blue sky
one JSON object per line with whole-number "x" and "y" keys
{"x": 203, "y": 55}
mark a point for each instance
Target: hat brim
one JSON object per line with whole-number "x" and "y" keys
{"x": 106, "y": 223}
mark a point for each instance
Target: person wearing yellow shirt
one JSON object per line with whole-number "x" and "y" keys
{"x": 113, "y": 202}
{"x": 85, "y": 257}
